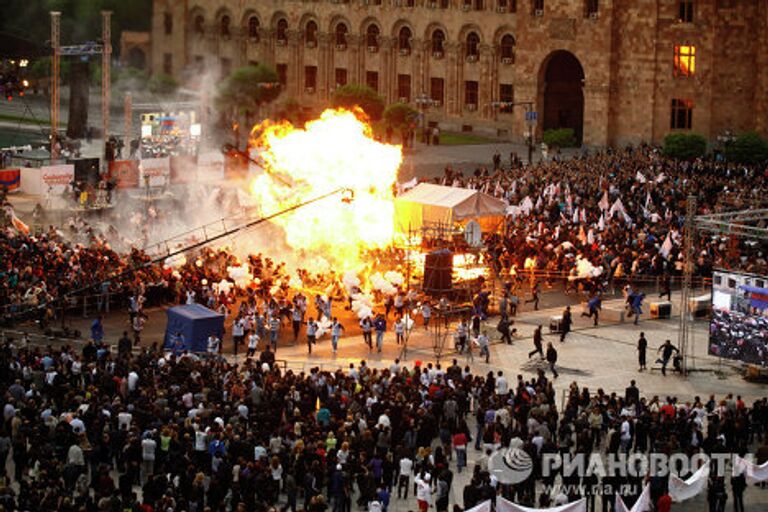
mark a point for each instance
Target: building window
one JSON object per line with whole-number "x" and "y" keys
{"x": 508, "y": 49}
{"x": 282, "y": 74}
{"x": 473, "y": 46}
{"x": 168, "y": 23}
{"x": 341, "y": 77}
{"x": 438, "y": 43}
{"x": 310, "y": 78}
{"x": 372, "y": 37}
{"x": 199, "y": 24}
{"x": 404, "y": 87}
{"x": 682, "y": 114}
{"x": 168, "y": 63}
{"x": 224, "y": 26}
{"x": 281, "y": 34}
{"x": 341, "y": 36}
{"x": 372, "y": 80}
{"x": 437, "y": 90}
{"x": 310, "y": 34}
{"x": 506, "y": 95}
{"x": 470, "y": 94}
{"x": 590, "y": 8}
{"x": 253, "y": 28}
{"x": 537, "y": 7}
{"x": 404, "y": 40}
{"x": 685, "y": 11}
{"x": 685, "y": 60}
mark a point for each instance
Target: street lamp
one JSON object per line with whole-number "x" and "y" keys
{"x": 423, "y": 102}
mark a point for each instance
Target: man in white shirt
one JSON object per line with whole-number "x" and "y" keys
{"x": 213, "y": 345}
{"x": 253, "y": 342}
{"x": 404, "y": 480}
{"x": 148, "y": 446}
{"x": 502, "y": 386}
{"x": 133, "y": 381}
{"x": 626, "y": 434}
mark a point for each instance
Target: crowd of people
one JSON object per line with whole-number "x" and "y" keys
{"x": 92, "y": 430}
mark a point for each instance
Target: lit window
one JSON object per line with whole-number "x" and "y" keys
{"x": 682, "y": 114}
{"x": 685, "y": 61}
{"x": 685, "y": 11}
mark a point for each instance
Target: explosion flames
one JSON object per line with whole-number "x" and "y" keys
{"x": 335, "y": 151}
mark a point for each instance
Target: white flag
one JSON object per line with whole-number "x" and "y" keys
{"x": 483, "y": 507}
{"x": 604, "y": 204}
{"x": 575, "y": 219}
{"x": 639, "y": 177}
{"x": 503, "y": 505}
{"x": 681, "y": 490}
{"x": 601, "y": 223}
{"x": 754, "y": 474}
{"x": 666, "y": 247}
{"x": 643, "y": 503}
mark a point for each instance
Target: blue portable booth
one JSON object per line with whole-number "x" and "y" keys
{"x": 195, "y": 323}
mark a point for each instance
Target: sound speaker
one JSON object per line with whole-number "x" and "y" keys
{"x": 86, "y": 169}
{"x": 661, "y": 309}
{"x": 438, "y": 272}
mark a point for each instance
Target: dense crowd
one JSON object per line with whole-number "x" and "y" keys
{"x": 93, "y": 430}
{"x": 616, "y": 210}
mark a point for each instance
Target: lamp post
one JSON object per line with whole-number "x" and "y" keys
{"x": 423, "y": 102}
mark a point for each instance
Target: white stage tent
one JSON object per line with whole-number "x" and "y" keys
{"x": 436, "y": 204}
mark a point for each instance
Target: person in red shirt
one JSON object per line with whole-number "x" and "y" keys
{"x": 664, "y": 504}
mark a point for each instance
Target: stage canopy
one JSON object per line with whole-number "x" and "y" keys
{"x": 195, "y": 323}
{"x": 436, "y": 204}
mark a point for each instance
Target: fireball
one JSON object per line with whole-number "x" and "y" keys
{"x": 336, "y": 151}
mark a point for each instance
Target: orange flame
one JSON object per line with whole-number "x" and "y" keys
{"x": 335, "y": 151}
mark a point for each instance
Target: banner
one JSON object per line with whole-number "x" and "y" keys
{"x": 156, "y": 170}
{"x": 56, "y": 178}
{"x": 681, "y": 490}
{"x": 10, "y": 179}
{"x": 483, "y": 507}
{"x": 125, "y": 173}
{"x": 643, "y": 503}
{"x": 503, "y": 505}
{"x": 754, "y": 474}
{"x": 183, "y": 169}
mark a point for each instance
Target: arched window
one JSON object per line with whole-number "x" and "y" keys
{"x": 341, "y": 35}
{"x": 281, "y": 34}
{"x": 253, "y": 28}
{"x": 168, "y": 23}
{"x": 473, "y": 45}
{"x": 224, "y": 26}
{"x": 438, "y": 42}
{"x": 507, "y": 47}
{"x": 310, "y": 34}
{"x": 404, "y": 40}
{"x": 372, "y": 37}
{"x": 199, "y": 24}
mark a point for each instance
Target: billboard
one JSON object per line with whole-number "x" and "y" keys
{"x": 739, "y": 326}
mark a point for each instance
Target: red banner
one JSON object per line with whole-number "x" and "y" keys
{"x": 125, "y": 173}
{"x": 10, "y": 179}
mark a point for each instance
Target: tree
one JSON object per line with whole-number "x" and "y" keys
{"x": 685, "y": 146}
{"x": 400, "y": 116}
{"x": 747, "y": 148}
{"x": 560, "y": 138}
{"x": 162, "y": 84}
{"x": 356, "y": 95}
{"x": 248, "y": 88}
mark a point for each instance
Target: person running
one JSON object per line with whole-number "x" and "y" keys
{"x": 311, "y": 334}
{"x": 566, "y": 322}
{"x": 483, "y": 343}
{"x": 297, "y": 318}
{"x": 535, "y": 292}
{"x": 538, "y": 340}
{"x": 367, "y": 326}
{"x": 637, "y": 305}
{"x": 593, "y": 305}
{"x": 380, "y": 324}
{"x": 336, "y": 330}
{"x": 552, "y": 358}
{"x": 667, "y": 349}
{"x": 642, "y": 346}
{"x": 253, "y": 343}
{"x": 274, "y": 331}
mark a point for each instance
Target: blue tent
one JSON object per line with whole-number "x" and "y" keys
{"x": 195, "y": 323}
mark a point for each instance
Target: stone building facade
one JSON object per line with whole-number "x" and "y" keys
{"x": 616, "y": 71}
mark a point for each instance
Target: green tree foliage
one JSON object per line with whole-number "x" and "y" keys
{"x": 560, "y": 138}
{"x": 747, "y": 148}
{"x": 356, "y": 95}
{"x": 248, "y": 88}
{"x": 685, "y": 146}
{"x": 162, "y": 84}
{"x": 400, "y": 115}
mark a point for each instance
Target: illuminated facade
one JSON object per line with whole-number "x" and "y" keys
{"x": 616, "y": 71}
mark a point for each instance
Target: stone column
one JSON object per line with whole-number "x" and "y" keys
{"x": 295, "y": 67}
{"x": 324, "y": 63}
{"x": 452, "y": 85}
{"x": 388, "y": 49}
{"x": 484, "y": 93}
{"x": 354, "y": 47}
